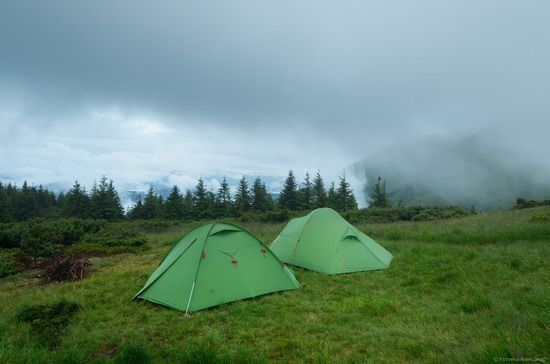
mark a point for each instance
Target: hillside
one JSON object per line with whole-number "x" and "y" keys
{"x": 463, "y": 290}
{"x": 487, "y": 170}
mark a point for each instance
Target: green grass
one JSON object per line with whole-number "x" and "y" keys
{"x": 461, "y": 290}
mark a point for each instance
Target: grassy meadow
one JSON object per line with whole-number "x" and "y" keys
{"x": 463, "y": 290}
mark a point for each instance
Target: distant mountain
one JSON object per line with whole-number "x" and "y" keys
{"x": 487, "y": 170}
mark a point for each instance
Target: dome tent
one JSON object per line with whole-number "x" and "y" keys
{"x": 213, "y": 264}
{"x": 323, "y": 241}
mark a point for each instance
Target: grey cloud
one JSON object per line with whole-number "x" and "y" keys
{"x": 357, "y": 74}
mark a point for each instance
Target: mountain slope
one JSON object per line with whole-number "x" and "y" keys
{"x": 488, "y": 170}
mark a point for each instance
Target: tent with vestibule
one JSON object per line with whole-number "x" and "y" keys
{"x": 324, "y": 241}
{"x": 213, "y": 264}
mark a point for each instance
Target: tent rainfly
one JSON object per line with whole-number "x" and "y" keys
{"x": 213, "y": 264}
{"x": 324, "y": 242}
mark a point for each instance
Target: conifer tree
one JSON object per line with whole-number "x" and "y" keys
{"x": 345, "y": 200}
{"x": 5, "y": 205}
{"x": 261, "y": 198}
{"x": 319, "y": 192}
{"x": 202, "y": 201}
{"x": 173, "y": 207}
{"x": 104, "y": 201}
{"x": 242, "y": 197}
{"x": 26, "y": 206}
{"x": 76, "y": 202}
{"x": 306, "y": 194}
{"x": 136, "y": 212}
{"x": 378, "y": 195}
{"x": 188, "y": 206}
{"x": 151, "y": 204}
{"x": 223, "y": 200}
{"x": 332, "y": 198}
{"x": 288, "y": 199}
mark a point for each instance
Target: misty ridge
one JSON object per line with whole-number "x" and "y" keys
{"x": 487, "y": 170}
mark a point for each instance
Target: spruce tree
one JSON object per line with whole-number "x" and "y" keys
{"x": 332, "y": 197}
{"x": 76, "y": 202}
{"x": 104, "y": 201}
{"x": 288, "y": 199}
{"x": 136, "y": 211}
{"x": 378, "y": 195}
{"x": 173, "y": 207}
{"x": 5, "y": 205}
{"x": 319, "y": 192}
{"x": 223, "y": 200}
{"x": 261, "y": 198}
{"x": 189, "y": 206}
{"x": 202, "y": 201}
{"x": 345, "y": 200}
{"x": 151, "y": 204}
{"x": 242, "y": 197}
{"x": 306, "y": 194}
{"x": 26, "y": 206}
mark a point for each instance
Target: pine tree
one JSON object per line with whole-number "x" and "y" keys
{"x": 136, "y": 211}
{"x": 76, "y": 202}
{"x": 332, "y": 197}
{"x": 306, "y": 194}
{"x": 151, "y": 204}
{"x": 319, "y": 192}
{"x": 5, "y": 205}
{"x": 202, "y": 201}
{"x": 223, "y": 200}
{"x": 26, "y": 206}
{"x": 242, "y": 197}
{"x": 345, "y": 200}
{"x": 188, "y": 206}
{"x": 173, "y": 208}
{"x": 104, "y": 201}
{"x": 288, "y": 199}
{"x": 261, "y": 198}
{"x": 378, "y": 195}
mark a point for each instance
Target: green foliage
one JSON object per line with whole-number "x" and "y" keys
{"x": 77, "y": 202}
{"x": 378, "y": 195}
{"x": 105, "y": 202}
{"x": 523, "y": 203}
{"x": 423, "y": 216}
{"x": 344, "y": 200}
{"x": 203, "y": 201}
{"x": 11, "y": 235}
{"x": 319, "y": 192}
{"x": 288, "y": 199}
{"x": 39, "y": 239}
{"x": 8, "y": 265}
{"x": 116, "y": 235}
{"x": 48, "y": 321}
{"x": 243, "y": 198}
{"x": 261, "y": 198}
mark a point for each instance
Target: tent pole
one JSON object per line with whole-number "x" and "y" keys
{"x": 191, "y": 295}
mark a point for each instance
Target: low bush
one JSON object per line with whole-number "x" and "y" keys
{"x": 8, "y": 264}
{"x": 48, "y": 321}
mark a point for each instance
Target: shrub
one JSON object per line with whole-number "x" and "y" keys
{"x": 423, "y": 216}
{"x": 48, "y": 321}
{"x": 8, "y": 265}
{"x": 114, "y": 235}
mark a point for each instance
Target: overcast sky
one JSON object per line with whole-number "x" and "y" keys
{"x": 143, "y": 90}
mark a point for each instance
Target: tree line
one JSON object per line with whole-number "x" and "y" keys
{"x": 103, "y": 200}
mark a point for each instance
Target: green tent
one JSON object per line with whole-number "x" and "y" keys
{"x": 323, "y": 241}
{"x": 214, "y": 264}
